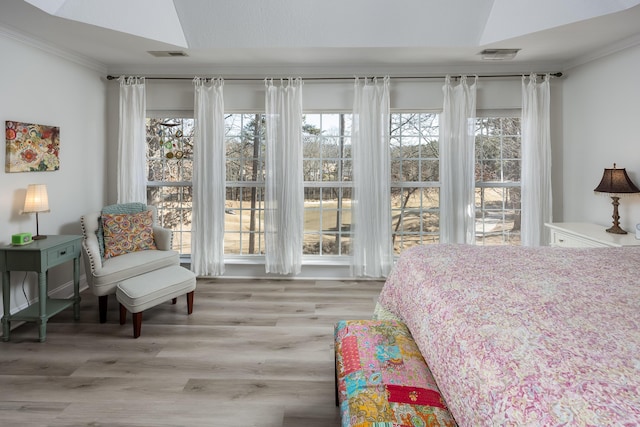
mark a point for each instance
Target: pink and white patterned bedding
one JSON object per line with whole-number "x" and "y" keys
{"x": 520, "y": 336}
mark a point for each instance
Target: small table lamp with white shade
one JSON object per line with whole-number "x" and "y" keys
{"x": 36, "y": 201}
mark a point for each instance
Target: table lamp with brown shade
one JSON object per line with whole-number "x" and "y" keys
{"x": 615, "y": 182}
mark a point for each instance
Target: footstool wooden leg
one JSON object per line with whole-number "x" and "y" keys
{"x": 137, "y": 324}
{"x": 190, "y": 302}
{"x": 123, "y": 314}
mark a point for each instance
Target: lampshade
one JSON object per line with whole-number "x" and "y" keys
{"x": 36, "y": 199}
{"x": 616, "y": 181}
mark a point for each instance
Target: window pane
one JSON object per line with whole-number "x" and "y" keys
{"x": 410, "y": 171}
{"x": 498, "y": 215}
{"x": 154, "y": 169}
{"x": 511, "y": 170}
{"x": 331, "y": 147}
{"x": 394, "y": 144}
{"x": 187, "y": 170}
{"x": 430, "y": 170}
{"x": 430, "y": 149}
{"x": 512, "y": 148}
{"x": 244, "y": 221}
{"x": 311, "y": 170}
{"x": 415, "y": 217}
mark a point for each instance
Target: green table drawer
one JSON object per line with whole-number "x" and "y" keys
{"x": 62, "y": 254}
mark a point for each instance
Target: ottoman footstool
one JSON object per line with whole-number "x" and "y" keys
{"x": 147, "y": 290}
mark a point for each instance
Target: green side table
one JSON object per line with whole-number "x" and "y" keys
{"x": 40, "y": 256}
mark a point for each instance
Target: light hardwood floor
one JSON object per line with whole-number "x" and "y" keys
{"x": 253, "y": 353}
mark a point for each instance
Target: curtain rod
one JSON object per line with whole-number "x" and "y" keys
{"x": 558, "y": 74}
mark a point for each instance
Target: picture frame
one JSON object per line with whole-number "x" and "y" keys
{"x": 31, "y": 147}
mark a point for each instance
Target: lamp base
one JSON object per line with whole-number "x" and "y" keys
{"x": 38, "y": 236}
{"x": 615, "y": 230}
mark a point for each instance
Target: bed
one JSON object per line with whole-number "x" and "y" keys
{"x": 518, "y": 336}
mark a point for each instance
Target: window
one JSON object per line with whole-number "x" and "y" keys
{"x": 327, "y": 175}
{"x": 498, "y": 168}
{"x": 244, "y": 211}
{"x": 169, "y": 167}
{"x": 415, "y": 176}
{"x": 327, "y": 178}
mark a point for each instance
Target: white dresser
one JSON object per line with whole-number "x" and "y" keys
{"x": 584, "y": 235}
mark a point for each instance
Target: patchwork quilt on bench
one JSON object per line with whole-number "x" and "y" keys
{"x": 382, "y": 379}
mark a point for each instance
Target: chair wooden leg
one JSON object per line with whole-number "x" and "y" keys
{"x": 137, "y": 324}
{"x": 102, "y": 307}
{"x": 190, "y": 302}
{"x": 175, "y": 300}
{"x": 123, "y": 314}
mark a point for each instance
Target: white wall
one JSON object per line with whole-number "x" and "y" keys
{"x": 319, "y": 95}
{"x": 44, "y": 88}
{"x": 601, "y": 112}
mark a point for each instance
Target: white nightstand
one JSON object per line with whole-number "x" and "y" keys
{"x": 585, "y": 235}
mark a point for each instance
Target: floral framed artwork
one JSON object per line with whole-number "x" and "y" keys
{"x": 32, "y": 147}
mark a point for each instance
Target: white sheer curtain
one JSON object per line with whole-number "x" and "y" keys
{"x": 207, "y": 234}
{"x": 284, "y": 197}
{"x": 536, "y": 161}
{"x": 132, "y": 176}
{"x": 372, "y": 252}
{"x": 457, "y": 163}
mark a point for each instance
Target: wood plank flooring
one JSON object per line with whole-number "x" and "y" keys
{"x": 253, "y": 353}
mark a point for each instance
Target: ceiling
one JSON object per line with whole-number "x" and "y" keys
{"x": 324, "y": 37}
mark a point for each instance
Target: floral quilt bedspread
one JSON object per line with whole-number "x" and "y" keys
{"x": 518, "y": 336}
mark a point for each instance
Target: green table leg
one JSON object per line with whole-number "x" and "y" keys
{"x": 76, "y": 288}
{"x": 42, "y": 321}
{"x": 6, "y": 305}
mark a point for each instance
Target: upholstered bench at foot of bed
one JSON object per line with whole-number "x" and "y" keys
{"x": 382, "y": 379}
{"x": 147, "y": 290}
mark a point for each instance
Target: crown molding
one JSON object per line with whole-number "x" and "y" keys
{"x": 604, "y": 52}
{"x": 14, "y": 34}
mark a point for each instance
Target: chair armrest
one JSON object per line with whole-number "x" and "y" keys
{"x": 93, "y": 260}
{"x": 163, "y": 238}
